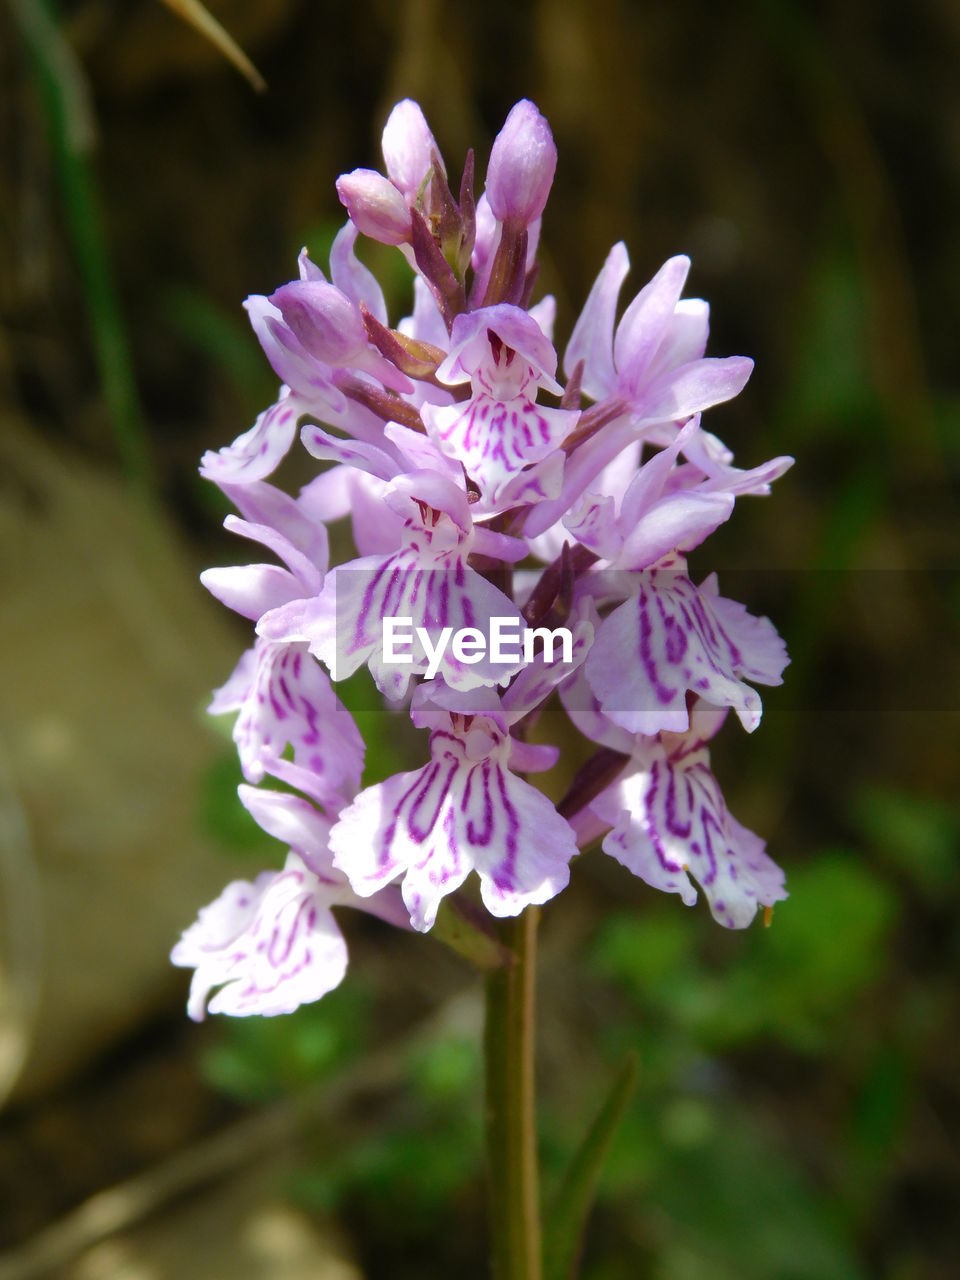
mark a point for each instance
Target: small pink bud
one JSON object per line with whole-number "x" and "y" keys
{"x": 376, "y": 208}
{"x": 408, "y": 147}
{"x": 324, "y": 320}
{"x": 523, "y": 161}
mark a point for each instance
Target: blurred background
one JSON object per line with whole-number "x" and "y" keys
{"x": 797, "y": 1114}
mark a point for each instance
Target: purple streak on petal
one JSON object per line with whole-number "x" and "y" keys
{"x": 259, "y": 451}
{"x": 470, "y": 350}
{"x": 269, "y": 946}
{"x": 649, "y": 696}
{"x": 662, "y": 831}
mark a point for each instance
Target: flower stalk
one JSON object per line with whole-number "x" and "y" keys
{"x": 512, "y": 1167}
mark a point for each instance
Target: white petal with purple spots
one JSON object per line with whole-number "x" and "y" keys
{"x": 270, "y": 946}
{"x": 669, "y": 822}
{"x": 671, "y": 637}
{"x": 463, "y": 811}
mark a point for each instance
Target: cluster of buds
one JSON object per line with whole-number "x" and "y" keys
{"x": 483, "y": 491}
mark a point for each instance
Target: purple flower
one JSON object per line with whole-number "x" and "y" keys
{"x": 310, "y": 379}
{"x": 464, "y": 811}
{"x": 272, "y": 944}
{"x": 380, "y": 207}
{"x": 426, "y": 580}
{"x": 666, "y": 820}
{"x": 500, "y": 430}
{"x": 279, "y": 524}
{"x": 409, "y": 148}
{"x": 285, "y": 701}
{"x": 671, "y": 637}
{"x": 655, "y": 358}
{"x": 648, "y": 374}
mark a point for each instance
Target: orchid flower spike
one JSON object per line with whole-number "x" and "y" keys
{"x": 484, "y": 532}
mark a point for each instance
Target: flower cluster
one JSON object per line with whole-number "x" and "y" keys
{"x": 479, "y": 484}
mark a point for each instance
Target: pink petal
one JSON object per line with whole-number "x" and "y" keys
{"x": 679, "y": 521}
{"x": 685, "y": 337}
{"x": 517, "y": 329}
{"x": 692, "y": 387}
{"x": 670, "y": 820}
{"x": 523, "y": 160}
{"x": 291, "y": 707}
{"x": 270, "y": 946}
{"x": 251, "y": 590}
{"x": 645, "y": 323}
{"x": 352, "y": 277}
{"x": 259, "y": 451}
{"x": 300, "y": 565}
{"x": 524, "y": 860}
{"x": 265, "y": 505}
{"x": 592, "y": 337}
{"x": 294, "y": 822}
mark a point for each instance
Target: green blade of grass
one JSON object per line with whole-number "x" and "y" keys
{"x": 62, "y": 88}
{"x": 567, "y": 1217}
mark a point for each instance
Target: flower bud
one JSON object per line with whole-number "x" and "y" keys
{"x": 324, "y": 320}
{"x": 523, "y": 161}
{"x": 408, "y": 148}
{"x": 376, "y": 208}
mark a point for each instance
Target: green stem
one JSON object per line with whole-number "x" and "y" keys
{"x": 65, "y": 99}
{"x": 514, "y": 1195}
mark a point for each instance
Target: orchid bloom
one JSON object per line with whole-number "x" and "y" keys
{"x": 665, "y": 819}
{"x": 500, "y": 431}
{"x": 272, "y": 944}
{"x": 464, "y": 811}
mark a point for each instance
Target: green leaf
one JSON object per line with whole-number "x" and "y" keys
{"x": 571, "y": 1207}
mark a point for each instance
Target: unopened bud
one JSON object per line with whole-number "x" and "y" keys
{"x": 376, "y": 208}
{"x": 409, "y": 149}
{"x": 523, "y": 161}
{"x": 324, "y": 320}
